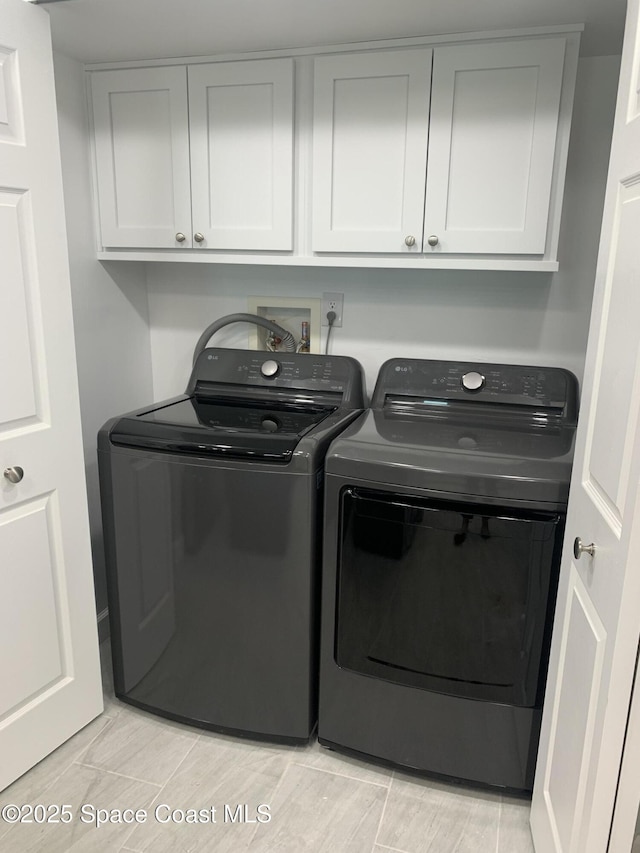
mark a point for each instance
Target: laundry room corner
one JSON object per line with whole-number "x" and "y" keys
{"x": 280, "y": 578}
{"x": 138, "y": 321}
{"x": 110, "y": 308}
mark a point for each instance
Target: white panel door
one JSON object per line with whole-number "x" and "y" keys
{"x": 142, "y": 153}
{"x": 370, "y": 133}
{"x": 494, "y": 119}
{"x": 624, "y": 829}
{"x": 49, "y": 667}
{"x": 241, "y": 122}
{"x": 597, "y": 624}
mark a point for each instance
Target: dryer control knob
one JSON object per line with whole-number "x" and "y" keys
{"x": 473, "y": 381}
{"x": 270, "y": 369}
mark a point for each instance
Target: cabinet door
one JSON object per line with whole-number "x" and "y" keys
{"x": 369, "y": 151}
{"x": 494, "y": 117}
{"x": 241, "y": 122}
{"x": 142, "y": 157}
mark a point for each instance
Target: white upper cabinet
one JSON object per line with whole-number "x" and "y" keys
{"x": 494, "y": 121}
{"x": 486, "y": 149}
{"x": 241, "y": 121}
{"x": 213, "y": 170}
{"x": 370, "y": 130}
{"x": 444, "y": 152}
{"x": 142, "y": 156}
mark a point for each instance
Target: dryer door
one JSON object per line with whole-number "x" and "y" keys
{"x": 448, "y": 597}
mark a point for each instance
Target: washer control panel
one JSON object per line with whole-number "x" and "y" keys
{"x": 293, "y": 371}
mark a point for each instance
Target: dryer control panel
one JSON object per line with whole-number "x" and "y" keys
{"x": 545, "y": 388}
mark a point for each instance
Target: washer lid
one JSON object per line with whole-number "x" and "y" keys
{"x": 456, "y": 455}
{"x": 220, "y": 426}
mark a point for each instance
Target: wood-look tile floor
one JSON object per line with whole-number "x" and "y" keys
{"x": 317, "y": 800}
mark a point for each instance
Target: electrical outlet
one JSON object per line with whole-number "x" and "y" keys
{"x": 332, "y": 302}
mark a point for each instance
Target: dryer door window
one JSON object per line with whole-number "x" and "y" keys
{"x": 449, "y": 597}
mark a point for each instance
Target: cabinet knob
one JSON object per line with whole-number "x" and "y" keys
{"x": 180, "y": 238}
{"x": 15, "y": 474}
{"x": 410, "y": 240}
{"x": 433, "y": 240}
{"x": 198, "y": 237}
{"x": 579, "y": 548}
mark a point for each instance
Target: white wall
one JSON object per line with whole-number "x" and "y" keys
{"x": 530, "y": 318}
{"x": 110, "y": 311}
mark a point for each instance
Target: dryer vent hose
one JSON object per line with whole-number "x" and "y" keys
{"x": 289, "y": 342}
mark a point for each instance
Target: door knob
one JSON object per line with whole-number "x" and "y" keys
{"x": 410, "y": 240}
{"x": 579, "y": 548}
{"x": 180, "y": 238}
{"x": 15, "y": 474}
{"x": 433, "y": 240}
{"x": 198, "y": 237}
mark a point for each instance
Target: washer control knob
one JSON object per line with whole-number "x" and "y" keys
{"x": 270, "y": 368}
{"x": 473, "y": 381}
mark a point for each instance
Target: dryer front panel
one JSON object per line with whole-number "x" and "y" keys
{"x": 445, "y": 596}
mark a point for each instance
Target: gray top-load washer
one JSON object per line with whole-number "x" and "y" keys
{"x": 444, "y": 519}
{"x": 212, "y": 516}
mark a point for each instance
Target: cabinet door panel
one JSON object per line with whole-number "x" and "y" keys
{"x": 369, "y": 150}
{"x": 494, "y": 119}
{"x": 142, "y": 153}
{"x": 241, "y": 120}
